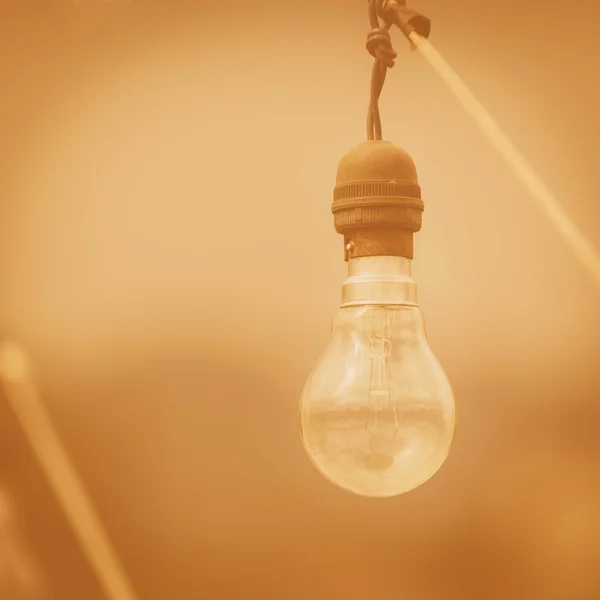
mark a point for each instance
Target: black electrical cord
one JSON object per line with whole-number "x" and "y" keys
{"x": 379, "y": 45}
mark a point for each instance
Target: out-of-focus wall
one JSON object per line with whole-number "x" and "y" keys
{"x": 168, "y": 258}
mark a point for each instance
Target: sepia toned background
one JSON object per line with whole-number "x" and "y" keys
{"x": 168, "y": 259}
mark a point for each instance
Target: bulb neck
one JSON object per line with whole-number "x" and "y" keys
{"x": 379, "y": 280}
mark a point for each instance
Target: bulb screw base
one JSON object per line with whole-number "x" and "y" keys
{"x": 377, "y": 203}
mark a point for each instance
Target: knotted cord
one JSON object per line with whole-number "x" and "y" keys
{"x": 379, "y": 45}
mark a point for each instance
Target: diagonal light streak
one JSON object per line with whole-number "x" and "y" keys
{"x": 540, "y": 192}
{"x": 77, "y": 505}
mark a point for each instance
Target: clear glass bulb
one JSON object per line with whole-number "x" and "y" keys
{"x": 377, "y": 414}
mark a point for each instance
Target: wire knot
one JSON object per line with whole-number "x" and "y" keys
{"x": 379, "y": 46}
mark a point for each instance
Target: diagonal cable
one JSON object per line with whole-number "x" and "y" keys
{"x": 77, "y": 505}
{"x": 546, "y": 200}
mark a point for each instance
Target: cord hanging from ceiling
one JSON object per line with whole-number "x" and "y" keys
{"x": 379, "y": 45}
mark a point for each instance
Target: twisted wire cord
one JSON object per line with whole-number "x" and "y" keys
{"x": 379, "y": 45}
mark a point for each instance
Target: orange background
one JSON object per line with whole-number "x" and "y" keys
{"x": 168, "y": 259}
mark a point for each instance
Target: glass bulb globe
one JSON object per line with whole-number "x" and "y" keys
{"x": 377, "y": 414}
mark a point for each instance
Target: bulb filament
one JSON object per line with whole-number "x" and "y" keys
{"x": 382, "y": 418}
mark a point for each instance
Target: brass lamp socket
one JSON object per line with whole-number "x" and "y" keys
{"x": 377, "y": 203}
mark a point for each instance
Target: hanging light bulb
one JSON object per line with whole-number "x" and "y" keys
{"x": 377, "y": 414}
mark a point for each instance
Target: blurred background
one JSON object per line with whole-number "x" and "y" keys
{"x": 168, "y": 259}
